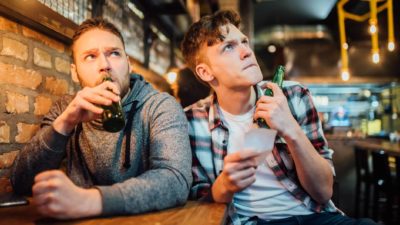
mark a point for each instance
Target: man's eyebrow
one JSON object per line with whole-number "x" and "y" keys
{"x": 113, "y": 48}
{"x": 229, "y": 41}
{"x": 233, "y": 40}
{"x": 92, "y": 50}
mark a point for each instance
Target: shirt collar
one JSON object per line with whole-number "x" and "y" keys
{"x": 214, "y": 120}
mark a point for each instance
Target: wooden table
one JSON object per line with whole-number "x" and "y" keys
{"x": 392, "y": 149}
{"x": 193, "y": 213}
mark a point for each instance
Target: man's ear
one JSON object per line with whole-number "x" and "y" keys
{"x": 74, "y": 73}
{"x": 129, "y": 65}
{"x": 204, "y": 72}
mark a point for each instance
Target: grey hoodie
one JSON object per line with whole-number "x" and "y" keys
{"x": 152, "y": 174}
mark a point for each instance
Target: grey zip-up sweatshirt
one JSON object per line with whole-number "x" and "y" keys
{"x": 152, "y": 174}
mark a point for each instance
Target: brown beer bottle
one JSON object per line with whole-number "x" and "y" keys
{"x": 113, "y": 115}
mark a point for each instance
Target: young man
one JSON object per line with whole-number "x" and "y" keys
{"x": 144, "y": 167}
{"x": 293, "y": 185}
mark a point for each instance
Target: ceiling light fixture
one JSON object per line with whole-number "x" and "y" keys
{"x": 375, "y": 57}
{"x": 374, "y": 9}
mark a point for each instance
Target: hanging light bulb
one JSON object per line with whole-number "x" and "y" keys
{"x": 375, "y": 57}
{"x": 345, "y": 75}
{"x": 391, "y": 46}
{"x": 372, "y": 29}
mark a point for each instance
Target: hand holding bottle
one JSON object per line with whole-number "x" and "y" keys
{"x": 277, "y": 79}
{"x": 86, "y": 106}
{"x": 275, "y": 110}
{"x": 113, "y": 115}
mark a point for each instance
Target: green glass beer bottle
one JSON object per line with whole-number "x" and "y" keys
{"x": 113, "y": 115}
{"x": 277, "y": 79}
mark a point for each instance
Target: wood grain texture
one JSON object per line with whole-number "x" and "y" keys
{"x": 193, "y": 213}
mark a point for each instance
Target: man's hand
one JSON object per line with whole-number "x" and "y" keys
{"x": 86, "y": 106}
{"x": 56, "y": 196}
{"x": 314, "y": 172}
{"x": 275, "y": 111}
{"x": 238, "y": 173}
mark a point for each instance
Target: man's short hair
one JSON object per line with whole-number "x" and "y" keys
{"x": 95, "y": 23}
{"x": 205, "y": 31}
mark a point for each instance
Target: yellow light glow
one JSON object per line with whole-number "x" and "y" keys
{"x": 373, "y": 29}
{"x": 345, "y": 46}
{"x": 345, "y": 75}
{"x": 375, "y": 58}
{"x": 391, "y": 46}
{"x": 320, "y": 34}
{"x": 171, "y": 77}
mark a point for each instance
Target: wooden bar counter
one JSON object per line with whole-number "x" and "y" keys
{"x": 193, "y": 213}
{"x": 392, "y": 149}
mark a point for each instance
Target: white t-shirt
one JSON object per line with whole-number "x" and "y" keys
{"x": 266, "y": 198}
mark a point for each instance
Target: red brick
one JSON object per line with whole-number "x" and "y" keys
{"x": 56, "y": 86}
{"x": 41, "y": 58}
{"x": 43, "y": 39}
{"x": 17, "y": 103}
{"x": 62, "y": 65}
{"x": 8, "y": 25}
{"x": 11, "y": 74}
{"x": 7, "y": 159}
{"x": 14, "y": 48}
{"x": 4, "y": 132}
{"x": 25, "y": 132}
{"x": 42, "y": 105}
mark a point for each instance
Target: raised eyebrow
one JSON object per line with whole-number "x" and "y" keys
{"x": 113, "y": 49}
{"x": 89, "y": 51}
{"x": 231, "y": 41}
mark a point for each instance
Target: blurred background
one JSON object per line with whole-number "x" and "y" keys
{"x": 345, "y": 52}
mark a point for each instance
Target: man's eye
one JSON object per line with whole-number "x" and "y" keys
{"x": 245, "y": 41}
{"x": 228, "y": 47}
{"x": 90, "y": 57}
{"x": 115, "y": 53}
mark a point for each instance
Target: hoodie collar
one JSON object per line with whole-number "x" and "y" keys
{"x": 140, "y": 91}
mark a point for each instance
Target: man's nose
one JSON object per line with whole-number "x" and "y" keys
{"x": 104, "y": 63}
{"x": 245, "y": 51}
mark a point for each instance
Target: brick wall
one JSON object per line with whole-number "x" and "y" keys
{"x": 34, "y": 72}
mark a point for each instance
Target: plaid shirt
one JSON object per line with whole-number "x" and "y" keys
{"x": 209, "y": 140}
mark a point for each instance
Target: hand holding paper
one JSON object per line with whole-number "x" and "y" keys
{"x": 261, "y": 140}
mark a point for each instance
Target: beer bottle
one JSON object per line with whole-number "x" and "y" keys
{"x": 113, "y": 115}
{"x": 277, "y": 79}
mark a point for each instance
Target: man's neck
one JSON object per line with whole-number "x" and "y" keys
{"x": 126, "y": 95}
{"x": 236, "y": 102}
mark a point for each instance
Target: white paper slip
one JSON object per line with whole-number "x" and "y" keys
{"x": 261, "y": 140}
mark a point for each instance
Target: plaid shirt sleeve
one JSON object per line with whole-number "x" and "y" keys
{"x": 200, "y": 143}
{"x": 304, "y": 111}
